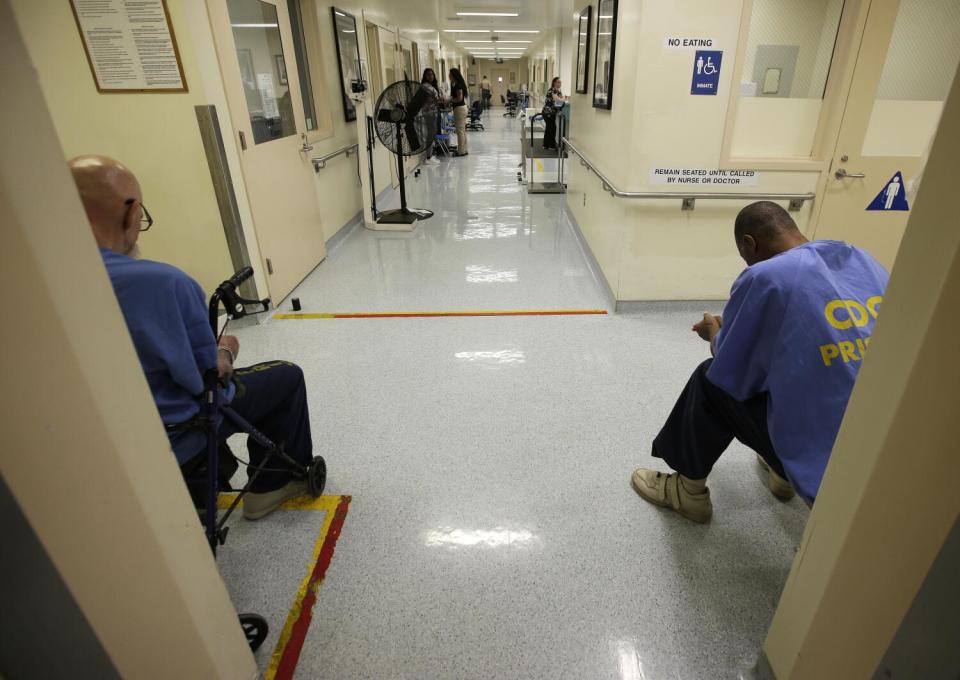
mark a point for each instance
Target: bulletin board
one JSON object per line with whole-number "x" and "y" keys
{"x": 130, "y": 47}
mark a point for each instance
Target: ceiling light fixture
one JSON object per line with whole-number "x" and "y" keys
{"x": 467, "y": 30}
{"x": 490, "y": 42}
{"x": 488, "y": 14}
{"x": 253, "y": 25}
{"x": 497, "y": 30}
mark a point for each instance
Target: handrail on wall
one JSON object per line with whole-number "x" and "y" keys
{"x": 688, "y": 198}
{"x": 321, "y": 162}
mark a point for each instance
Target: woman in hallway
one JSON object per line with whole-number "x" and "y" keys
{"x": 458, "y": 97}
{"x": 553, "y": 101}
{"x": 430, "y": 84}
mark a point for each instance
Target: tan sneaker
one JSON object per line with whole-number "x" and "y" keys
{"x": 258, "y": 505}
{"x": 666, "y": 491}
{"x": 779, "y": 487}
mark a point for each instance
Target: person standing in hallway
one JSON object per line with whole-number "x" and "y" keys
{"x": 166, "y": 315}
{"x": 458, "y": 97}
{"x": 553, "y": 102}
{"x": 432, "y": 109}
{"x": 786, "y": 354}
{"x": 485, "y": 92}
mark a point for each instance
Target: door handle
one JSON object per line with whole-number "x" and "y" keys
{"x": 306, "y": 148}
{"x": 842, "y": 174}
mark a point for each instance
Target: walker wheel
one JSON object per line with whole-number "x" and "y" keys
{"x": 255, "y": 629}
{"x": 316, "y": 476}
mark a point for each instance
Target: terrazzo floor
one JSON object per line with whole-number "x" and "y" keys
{"x": 493, "y": 531}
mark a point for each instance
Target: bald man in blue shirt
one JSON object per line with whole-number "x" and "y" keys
{"x": 787, "y": 350}
{"x": 166, "y": 315}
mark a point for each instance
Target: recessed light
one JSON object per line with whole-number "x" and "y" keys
{"x": 488, "y": 14}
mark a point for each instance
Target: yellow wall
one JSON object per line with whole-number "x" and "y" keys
{"x": 156, "y": 135}
{"x": 84, "y": 452}
{"x": 651, "y": 250}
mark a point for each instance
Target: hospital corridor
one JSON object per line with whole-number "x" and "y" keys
{"x": 587, "y": 339}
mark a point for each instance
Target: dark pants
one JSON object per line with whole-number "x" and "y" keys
{"x": 550, "y": 133}
{"x": 705, "y": 420}
{"x": 271, "y": 396}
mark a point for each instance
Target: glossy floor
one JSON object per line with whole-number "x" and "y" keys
{"x": 493, "y": 531}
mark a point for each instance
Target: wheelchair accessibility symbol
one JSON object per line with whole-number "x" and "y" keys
{"x": 706, "y": 72}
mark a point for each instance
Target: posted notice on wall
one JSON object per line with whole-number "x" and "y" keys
{"x": 704, "y": 177}
{"x": 130, "y": 45}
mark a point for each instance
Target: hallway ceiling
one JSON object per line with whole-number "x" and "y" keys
{"x": 442, "y": 15}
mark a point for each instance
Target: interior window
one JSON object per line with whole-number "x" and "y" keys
{"x": 786, "y": 64}
{"x": 303, "y": 63}
{"x": 920, "y": 64}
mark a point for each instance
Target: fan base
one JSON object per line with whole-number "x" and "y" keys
{"x": 403, "y": 216}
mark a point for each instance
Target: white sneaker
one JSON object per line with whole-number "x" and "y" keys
{"x": 257, "y": 505}
{"x": 431, "y": 161}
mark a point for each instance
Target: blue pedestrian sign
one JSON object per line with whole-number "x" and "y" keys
{"x": 706, "y": 72}
{"x": 893, "y": 195}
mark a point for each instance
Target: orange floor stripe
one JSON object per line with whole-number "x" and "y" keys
{"x": 409, "y": 315}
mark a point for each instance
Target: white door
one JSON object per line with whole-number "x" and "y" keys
{"x": 906, "y": 63}
{"x": 255, "y": 50}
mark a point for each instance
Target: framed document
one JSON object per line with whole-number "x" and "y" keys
{"x": 583, "y": 48}
{"x": 605, "y": 55}
{"x": 130, "y": 46}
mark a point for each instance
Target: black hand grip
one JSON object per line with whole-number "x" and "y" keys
{"x": 240, "y": 276}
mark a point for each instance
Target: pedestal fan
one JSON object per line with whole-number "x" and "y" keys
{"x": 404, "y": 129}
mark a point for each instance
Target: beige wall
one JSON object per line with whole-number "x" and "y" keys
{"x": 651, "y": 250}
{"x": 883, "y": 512}
{"x": 155, "y": 134}
{"x": 84, "y": 452}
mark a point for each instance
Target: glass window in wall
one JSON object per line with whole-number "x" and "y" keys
{"x": 303, "y": 64}
{"x": 263, "y": 69}
{"x": 786, "y": 64}
{"x": 921, "y": 61}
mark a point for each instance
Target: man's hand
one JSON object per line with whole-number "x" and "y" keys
{"x": 708, "y": 327}
{"x": 225, "y": 358}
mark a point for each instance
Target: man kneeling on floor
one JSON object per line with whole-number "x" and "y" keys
{"x": 166, "y": 314}
{"x": 785, "y": 357}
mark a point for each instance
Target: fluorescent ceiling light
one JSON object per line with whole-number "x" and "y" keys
{"x": 488, "y": 14}
{"x": 497, "y": 30}
{"x": 467, "y": 30}
{"x": 254, "y": 25}
{"x": 491, "y": 42}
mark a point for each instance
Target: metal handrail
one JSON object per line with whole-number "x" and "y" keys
{"x": 321, "y": 162}
{"x": 688, "y": 197}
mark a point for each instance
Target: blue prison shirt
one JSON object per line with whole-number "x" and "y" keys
{"x": 166, "y": 314}
{"x": 796, "y": 327}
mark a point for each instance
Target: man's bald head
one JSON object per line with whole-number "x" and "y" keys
{"x": 112, "y": 199}
{"x": 763, "y": 230}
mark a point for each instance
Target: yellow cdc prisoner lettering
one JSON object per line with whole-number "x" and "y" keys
{"x": 855, "y": 314}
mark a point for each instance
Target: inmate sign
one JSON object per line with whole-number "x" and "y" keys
{"x": 706, "y": 72}
{"x": 704, "y": 177}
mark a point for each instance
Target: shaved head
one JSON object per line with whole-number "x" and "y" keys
{"x": 112, "y": 198}
{"x": 763, "y": 230}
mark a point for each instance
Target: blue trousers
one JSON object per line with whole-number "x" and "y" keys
{"x": 271, "y": 396}
{"x": 705, "y": 420}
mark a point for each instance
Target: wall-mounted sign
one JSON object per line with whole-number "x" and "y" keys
{"x": 704, "y": 177}
{"x": 892, "y": 196}
{"x": 674, "y": 42}
{"x": 130, "y": 46}
{"x": 706, "y": 72}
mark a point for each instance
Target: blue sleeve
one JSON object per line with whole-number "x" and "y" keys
{"x": 201, "y": 349}
{"x": 746, "y": 344}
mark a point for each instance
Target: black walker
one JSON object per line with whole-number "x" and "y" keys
{"x": 315, "y": 473}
